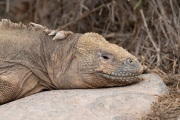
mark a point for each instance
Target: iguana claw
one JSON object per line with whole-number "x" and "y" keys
{"x": 40, "y": 27}
{"x": 60, "y": 34}
{"x": 57, "y": 34}
{"x": 53, "y": 32}
{"x": 37, "y": 26}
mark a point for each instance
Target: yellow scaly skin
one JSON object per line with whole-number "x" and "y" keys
{"x": 30, "y": 61}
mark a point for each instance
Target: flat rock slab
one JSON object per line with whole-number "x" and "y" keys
{"x": 120, "y": 103}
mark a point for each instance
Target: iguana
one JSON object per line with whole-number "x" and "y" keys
{"x": 30, "y": 62}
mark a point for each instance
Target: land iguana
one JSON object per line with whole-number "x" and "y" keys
{"x": 30, "y": 61}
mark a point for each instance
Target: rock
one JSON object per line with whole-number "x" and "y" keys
{"x": 120, "y": 103}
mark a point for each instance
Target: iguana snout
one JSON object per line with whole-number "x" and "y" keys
{"x": 126, "y": 68}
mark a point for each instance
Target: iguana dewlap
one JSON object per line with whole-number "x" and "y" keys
{"x": 31, "y": 62}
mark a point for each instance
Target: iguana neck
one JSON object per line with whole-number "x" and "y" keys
{"x": 58, "y": 56}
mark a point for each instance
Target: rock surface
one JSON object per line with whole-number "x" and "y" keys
{"x": 120, "y": 103}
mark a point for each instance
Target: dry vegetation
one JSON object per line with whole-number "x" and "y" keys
{"x": 148, "y": 29}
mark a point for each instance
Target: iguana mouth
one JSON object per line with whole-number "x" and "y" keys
{"x": 133, "y": 77}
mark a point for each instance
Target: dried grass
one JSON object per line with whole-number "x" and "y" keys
{"x": 148, "y": 29}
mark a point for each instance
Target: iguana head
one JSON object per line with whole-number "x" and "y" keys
{"x": 102, "y": 64}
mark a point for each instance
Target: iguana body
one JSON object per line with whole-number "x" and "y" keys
{"x": 31, "y": 62}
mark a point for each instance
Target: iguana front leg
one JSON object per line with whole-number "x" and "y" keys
{"x": 16, "y": 82}
{"x": 8, "y": 91}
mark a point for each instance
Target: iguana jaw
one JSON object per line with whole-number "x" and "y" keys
{"x": 124, "y": 76}
{"x": 118, "y": 78}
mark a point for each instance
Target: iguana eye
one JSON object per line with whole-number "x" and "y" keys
{"x": 105, "y": 57}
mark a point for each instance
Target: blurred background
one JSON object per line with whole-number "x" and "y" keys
{"x": 149, "y": 29}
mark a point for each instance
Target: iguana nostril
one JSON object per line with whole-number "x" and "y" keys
{"x": 129, "y": 60}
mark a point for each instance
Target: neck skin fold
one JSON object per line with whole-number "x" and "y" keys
{"x": 58, "y": 56}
